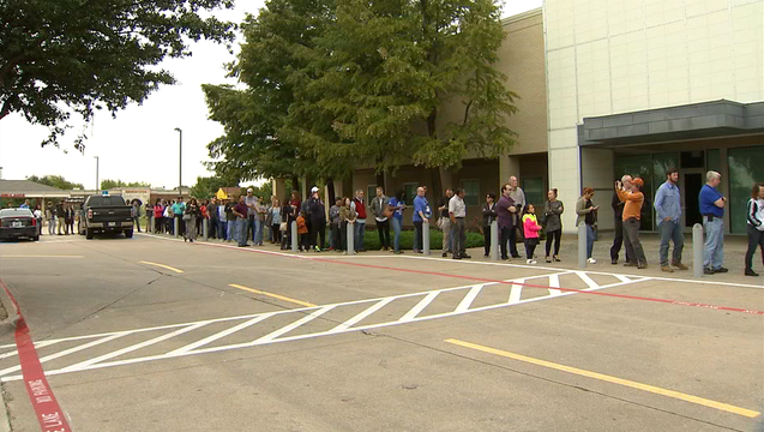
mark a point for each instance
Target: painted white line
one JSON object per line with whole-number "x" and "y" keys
{"x": 585, "y": 277}
{"x": 38, "y": 345}
{"x": 90, "y": 362}
{"x": 358, "y": 318}
{"x": 622, "y": 278}
{"x": 516, "y": 292}
{"x": 69, "y": 351}
{"x": 270, "y": 340}
{"x": 554, "y": 281}
{"x": 304, "y": 320}
{"x": 466, "y": 302}
{"x": 411, "y": 314}
{"x": 220, "y": 335}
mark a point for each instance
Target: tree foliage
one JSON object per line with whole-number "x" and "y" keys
{"x": 112, "y": 184}
{"x": 331, "y": 85}
{"x": 55, "y": 181}
{"x": 206, "y": 187}
{"x": 59, "y": 57}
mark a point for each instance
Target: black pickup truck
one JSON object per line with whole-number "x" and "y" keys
{"x": 106, "y": 214}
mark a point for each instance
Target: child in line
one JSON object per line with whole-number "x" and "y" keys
{"x": 531, "y": 230}
{"x": 302, "y": 230}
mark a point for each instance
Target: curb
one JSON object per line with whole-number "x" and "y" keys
{"x": 7, "y": 326}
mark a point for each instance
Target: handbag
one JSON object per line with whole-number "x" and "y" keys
{"x": 387, "y": 212}
{"x": 187, "y": 217}
{"x": 283, "y": 226}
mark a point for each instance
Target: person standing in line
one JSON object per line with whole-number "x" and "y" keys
{"x": 37, "y": 213}
{"x": 359, "y": 206}
{"x": 149, "y": 210}
{"x": 50, "y": 215}
{"x": 489, "y": 215}
{"x": 158, "y": 217}
{"x": 233, "y": 220}
{"x": 302, "y": 231}
{"x": 457, "y": 211}
{"x": 444, "y": 223}
{"x": 178, "y": 209}
{"x": 250, "y": 200}
{"x": 712, "y": 204}
{"x": 518, "y": 197}
{"x": 135, "y": 214}
{"x": 420, "y": 215}
{"x": 335, "y": 239}
{"x": 191, "y": 214}
{"x": 222, "y": 220}
{"x": 586, "y": 212}
{"x": 169, "y": 217}
{"x": 382, "y": 218}
{"x": 61, "y": 217}
{"x": 70, "y": 219}
{"x": 668, "y": 209}
{"x": 275, "y": 216}
{"x": 287, "y": 216}
{"x": 505, "y": 216}
{"x": 531, "y": 230}
{"x": 632, "y": 214}
{"x": 754, "y": 227}
{"x": 317, "y": 222}
{"x": 212, "y": 211}
{"x": 553, "y": 210}
{"x": 295, "y": 203}
{"x": 396, "y": 206}
{"x": 25, "y": 205}
{"x": 618, "y": 205}
{"x": 240, "y": 211}
{"x": 347, "y": 217}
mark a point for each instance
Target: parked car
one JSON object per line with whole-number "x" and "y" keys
{"x": 105, "y": 214}
{"x": 18, "y": 223}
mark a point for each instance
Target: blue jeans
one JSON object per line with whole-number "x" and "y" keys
{"x": 241, "y": 231}
{"x": 360, "y": 230}
{"x": 397, "y": 235}
{"x": 589, "y": 240}
{"x": 671, "y": 231}
{"x": 232, "y": 228}
{"x": 713, "y": 250}
{"x": 257, "y": 232}
{"x": 222, "y": 228}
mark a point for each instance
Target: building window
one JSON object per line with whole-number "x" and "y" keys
{"x": 471, "y": 192}
{"x": 745, "y": 168}
{"x": 533, "y": 187}
{"x": 371, "y": 192}
{"x": 409, "y": 189}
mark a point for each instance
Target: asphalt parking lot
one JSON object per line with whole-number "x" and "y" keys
{"x": 154, "y": 334}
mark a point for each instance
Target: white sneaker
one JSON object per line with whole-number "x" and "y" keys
{"x": 591, "y": 261}
{"x": 530, "y": 261}
{"x": 533, "y": 261}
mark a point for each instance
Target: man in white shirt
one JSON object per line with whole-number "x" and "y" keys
{"x": 457, "y": 211}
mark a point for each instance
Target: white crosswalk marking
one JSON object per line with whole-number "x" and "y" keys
{"x": 503, "y": 294}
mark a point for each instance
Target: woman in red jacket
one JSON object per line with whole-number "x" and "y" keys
{"x": 158, "y": 216}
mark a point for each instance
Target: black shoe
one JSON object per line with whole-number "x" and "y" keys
{"x": 485, "y": 255}
{"x": 614, "y": 261}
{"x": 504, "y": 258}
{"x": 515, "y": 256}
{"x": 750, "y": 272}
{"x": 465, "y": 256}
{"x": 445, "y": 254}
{"x": 721, "y": 270}
{"x": 457, "y": 257}
{"x": 708, "y": 271}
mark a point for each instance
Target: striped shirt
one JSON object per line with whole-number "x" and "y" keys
{"x": 754, "y": 213}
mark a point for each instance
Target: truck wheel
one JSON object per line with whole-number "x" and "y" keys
{"x": 129, "y": 234}
{"x": 89, "y": 234}
{"x": 37, "y": 238}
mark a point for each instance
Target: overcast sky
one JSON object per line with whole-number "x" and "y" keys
{"x": 141, "y": 144}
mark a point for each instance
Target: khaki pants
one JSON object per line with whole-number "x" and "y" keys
{"x": 445, "y": 225}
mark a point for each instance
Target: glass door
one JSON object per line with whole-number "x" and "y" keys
{"x": 690, "y": 183}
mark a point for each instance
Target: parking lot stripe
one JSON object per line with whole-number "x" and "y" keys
{"x": 466, "y": 302}
{"x": 276, "y": 296}
{"x": 304, "y": 320}
{"x": 419, "y": 306}
{"x": 611, "y": 379}
{"x": 162, "y": 266}
{"x": 358, "y": 318}
{"x": 44, "y": 256}
{"x": 219, "y": 335}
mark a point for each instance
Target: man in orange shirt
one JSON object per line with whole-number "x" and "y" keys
{"x": 632, "y": 212}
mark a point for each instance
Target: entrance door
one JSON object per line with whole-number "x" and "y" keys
{"x": 692, "y": 182}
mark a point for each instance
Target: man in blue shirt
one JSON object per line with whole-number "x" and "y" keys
{"x": 668, "y": 208}
{"x": 712, "y": 208}
{"x": 177, "y": 209}
{"x": 420, "y": 216}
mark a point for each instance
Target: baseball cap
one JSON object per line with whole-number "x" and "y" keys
{"x": 638, "y": 181}
{"x": 249, "y": 190}
{"x": 314, "y": 189}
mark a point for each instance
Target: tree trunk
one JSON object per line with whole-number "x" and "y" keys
{"x": 332, "y": 192}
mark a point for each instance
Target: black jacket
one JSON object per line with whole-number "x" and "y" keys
{"x": 489, "y": 215}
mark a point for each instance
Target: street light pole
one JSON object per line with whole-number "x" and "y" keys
{"x": 98, "y": 185}
{"x": 180, "y": 161}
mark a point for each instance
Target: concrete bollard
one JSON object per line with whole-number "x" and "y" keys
{"x": 582, "y": 246}
{"x": 205, "y": 229}
{"x": 295, "y": 237}
{"x": 351, "y": 239}
{"x": 153, "y": 225}
{"x": 176, "y": 232}
{"x": 697, "y": 250}
{"x": 426, "y": 237}
{"x": 495, "y": 246}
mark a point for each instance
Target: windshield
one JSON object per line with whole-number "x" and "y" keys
{"x": 15, "y": 212}
{"x": 104, "y": 201}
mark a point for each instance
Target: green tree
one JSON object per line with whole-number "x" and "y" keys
{"x": 59, "y": 57}
{"x": 55, "y": 181}
{"x": 111, "y": 184}
{"x": 206, "y": 187}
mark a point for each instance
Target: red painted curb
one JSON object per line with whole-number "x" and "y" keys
{"x": 49, "y": 413}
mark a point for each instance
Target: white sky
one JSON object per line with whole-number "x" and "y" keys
{"x": 141, "y": 144}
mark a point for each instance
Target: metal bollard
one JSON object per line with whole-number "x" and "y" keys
{"x": 426, "y": 237}
{"x": 153, "y": 225}
{"x": 495, "y": 246}
{"x": 295, "y": 236}
{"x": 582, "y": 246}
{"x": 697, "y": 250}
{"x": 205, "y": 229}
{"x": 351, "y": 239}
{"x": 177, "y": 227}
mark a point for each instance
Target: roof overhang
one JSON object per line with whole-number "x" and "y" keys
{"x": 704, "y": 120}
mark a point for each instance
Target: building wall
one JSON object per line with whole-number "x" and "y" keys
{"x": 610, "y": 56}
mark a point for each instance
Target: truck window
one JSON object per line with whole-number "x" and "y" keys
{"x": 105, "y": 201}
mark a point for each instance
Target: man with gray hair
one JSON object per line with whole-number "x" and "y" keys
{"x": 617, "y": 205}
{"x": 712, "y": 208}
{"x": 518, "y": 197}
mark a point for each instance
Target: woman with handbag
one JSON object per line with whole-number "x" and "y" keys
{"x": 586, "y": 213}
{"x": 190, "y": 215}
{"x": 275, "y": 216}
{"x": 552, "y": 223}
